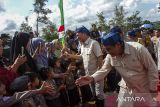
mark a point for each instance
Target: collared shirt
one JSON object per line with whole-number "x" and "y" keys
{"x": 155, "y": 41}
{"x": 90, "y": 51}
{"x": 158, "y": 53}
{"x": 136, "y": 67}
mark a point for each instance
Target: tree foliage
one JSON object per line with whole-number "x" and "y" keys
{"x": 156, "y": 25}
{"x": 133, "y": 21}
{"x": 147, "y": 22}
{"x": 39, "y": 8}
{"x": 50, "y": 32}
{"x": 102, "y": 22}
{"x": 119, "y": 17}
{"x": 41, "y": 11}
{"x": 25, "y": 27}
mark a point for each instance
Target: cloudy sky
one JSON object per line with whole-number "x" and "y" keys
{"x": 77, "y": 12}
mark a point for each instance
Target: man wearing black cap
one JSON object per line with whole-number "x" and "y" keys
{"x": 138, "y": 32}
{"x": 118, "y": 30}
{"x": 91, "y": 54}
{"x": 137, "y": 68}
{"x": 132, "y": 36}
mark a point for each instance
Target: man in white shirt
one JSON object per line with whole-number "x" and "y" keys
{"x": 91, "y": 54}
{"x": 135, "y": 65}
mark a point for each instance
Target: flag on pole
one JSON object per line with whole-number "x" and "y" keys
{"x": 61, "y": 29}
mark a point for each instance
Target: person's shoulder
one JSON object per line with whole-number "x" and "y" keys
{"x": 135, "y": 45}
{"x": 93, "y": 41}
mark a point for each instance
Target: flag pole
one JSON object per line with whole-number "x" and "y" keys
{"x": 61, "y": 29}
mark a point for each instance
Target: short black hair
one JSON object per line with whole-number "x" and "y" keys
{"x": 32, "y": 76}
{"x": 116, "y": 29}
{"x": 83, "y": 29}
{"x": 52, "y": 61}
{"x": 158, "y": 29}
{"x": 44, "y": 73}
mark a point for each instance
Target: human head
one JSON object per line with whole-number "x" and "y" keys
{"x": 82, "y": 33}
{"x": 151, "y": 32}
{"x": 57, "y": 44}
{"x": 54, "y": 62}
{"x": 20, "y": 40}
{"x": 37, "y": 42}
{"x": 46, "y": 73}
{"x": 100, "y": 28}
{"x": 131, "y": 35}
{"x": 72, "y": 45}
{"x": 93, "y": 26}
{"x": 20, "y": 84}
{"x": 31, "y": 34}
{"x": 5, "y": 37}
{"x": 34, "y": 80}
{"x": 70, "y": 33}
{"x": 113, "y": 44}
{"x": 138, "y": 32}
{"x": 157, "y": 32}
{"x": 79, "y": 64}
{"x": 23, "y": 39}
{"x": 117, "y": 29}
{"x": 2, "y": 88}
{"x": 49, "y": 46}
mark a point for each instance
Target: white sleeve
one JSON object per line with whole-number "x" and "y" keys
{"x": 106, "y": 68}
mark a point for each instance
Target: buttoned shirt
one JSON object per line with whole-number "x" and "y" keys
{"x": 90, "y": 51}
{"x": 136, "y": 67}
{"x": 158, "y": 53}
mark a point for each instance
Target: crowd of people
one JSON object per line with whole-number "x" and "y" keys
{"x": 36, "y": 73}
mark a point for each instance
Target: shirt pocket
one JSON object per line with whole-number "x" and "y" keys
{"x": 115, "y": 63}
{"x": 88, "y": 51}
{"x": 134, "y": 64}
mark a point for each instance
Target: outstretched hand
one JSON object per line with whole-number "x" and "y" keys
{"x": 84, "y": 80}
{"x": 20, "y": 59}
{"x": 46, "y": 88}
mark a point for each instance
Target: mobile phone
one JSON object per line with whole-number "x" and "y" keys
{"x": 22, "y": 50}
{"x": 39, "y": 47}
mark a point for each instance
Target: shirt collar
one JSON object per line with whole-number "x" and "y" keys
{"x": 126, "y": 48}
{"x": 87, "y": 41}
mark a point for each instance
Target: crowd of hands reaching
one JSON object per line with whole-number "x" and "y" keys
{"x": 45, "y": 87}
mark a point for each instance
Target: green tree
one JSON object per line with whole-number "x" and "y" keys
{"x": 133, "y": 21}
{"x": 147, "y": 22}
{"x": 157, "y": 25}
{"x": 25, "y": 27}
{"x": 49, "y": 33}
{"x": 102, "y": 22}
{"x": 41, "y": 11}
{"x": 119, "y": 17}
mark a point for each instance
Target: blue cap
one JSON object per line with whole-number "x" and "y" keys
{"x": 116, "y": 29}
{"x": 82, "y": 30}
{"x": 111, "y": 39}
{"x": 132, "y": 33}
